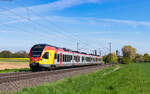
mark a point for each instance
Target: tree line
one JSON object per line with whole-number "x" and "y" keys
{"x": 9, "y": 54}
{"x": 128, "y": 55}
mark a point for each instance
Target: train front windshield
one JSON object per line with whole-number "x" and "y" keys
{"x": 36, "y": 51}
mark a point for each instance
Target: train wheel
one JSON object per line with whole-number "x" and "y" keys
{"x": 53, "y": 67}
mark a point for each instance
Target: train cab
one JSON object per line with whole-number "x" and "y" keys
{"x": 41, "y": 56}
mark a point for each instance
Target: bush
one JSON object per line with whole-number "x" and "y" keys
{"x": 126, "y": 60}
{"x": 111, "y": 58}
{"x": 139, "y": 58}
{"x": 146, "y": 57}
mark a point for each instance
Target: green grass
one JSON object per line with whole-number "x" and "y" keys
{"x": 14, "y": 70}
{"x": 130, "y": 79}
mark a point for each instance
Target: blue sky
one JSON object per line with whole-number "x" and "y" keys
{"x": 93, "y": 23}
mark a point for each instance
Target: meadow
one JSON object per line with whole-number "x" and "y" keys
{"x": 123, "y": 79}
{"x": 14, "y": 70}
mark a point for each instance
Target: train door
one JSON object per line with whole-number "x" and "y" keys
{"x": 45, "y": 58}
{"x": 96, "y": 60}
{"x": 61, "y": 59}
{"x": 73, "y": 61}
{"x": 77, "y": 60}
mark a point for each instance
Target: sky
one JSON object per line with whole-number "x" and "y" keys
{"x": 92, "y": 23}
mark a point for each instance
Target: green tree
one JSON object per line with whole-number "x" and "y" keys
{"x": 146, "y": 57}
{"x": 129, "y": 51}
{"x": 5, "y": 54}
{"x": 111, "y": 58}
{"x": 126, "y": 60}
{"x": 20, "y": 54}
{"x": 139, "y": 58}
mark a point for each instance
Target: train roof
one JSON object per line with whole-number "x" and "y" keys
{"x": 65, "y": 49}
{"x": 46, "y": 45}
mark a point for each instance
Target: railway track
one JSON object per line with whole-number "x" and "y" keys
{"x": 10, "y": 77}
{"x": 12, "y": 73}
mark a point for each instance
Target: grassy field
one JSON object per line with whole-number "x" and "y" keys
{"x": 14, "y": 70}
{"x": 129, "y": 79}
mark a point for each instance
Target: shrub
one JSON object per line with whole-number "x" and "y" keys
{"x": 111, "y": 58}
{"x": 126, "y": 60}
{"x": 139, "y": 58}
{"x": 146, "y": 57}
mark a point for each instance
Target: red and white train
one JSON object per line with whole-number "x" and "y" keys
{"x": 46, "y": 57}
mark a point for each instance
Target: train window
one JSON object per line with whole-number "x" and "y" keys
{"x": 70, "y": 58}
{"x": 36, "y": 51}
{"x": 79, "y": 58}
{"x": 88, "y": 59}
{"x": 55, "y": 56}
{"x": 82, "y": 59}
{"x": 66, "y": 57}
{"x": 63, "y": 58}
{"x": 75, "y": 58}
{"x": 46, "y": 55}
{"x": 58, "y": 59}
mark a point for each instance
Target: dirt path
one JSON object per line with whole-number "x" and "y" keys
{"x": 13, "y": 65}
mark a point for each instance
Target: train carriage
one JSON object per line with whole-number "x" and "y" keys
{"x": 43, "y": 56}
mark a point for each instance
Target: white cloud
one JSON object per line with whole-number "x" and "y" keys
{"x": 78, "y": 20}
{"x": 56, "y": 5}
{"x": 129, "y": 22}
{"x": 62, "y": 4}
{"x": 15, "y": 21}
